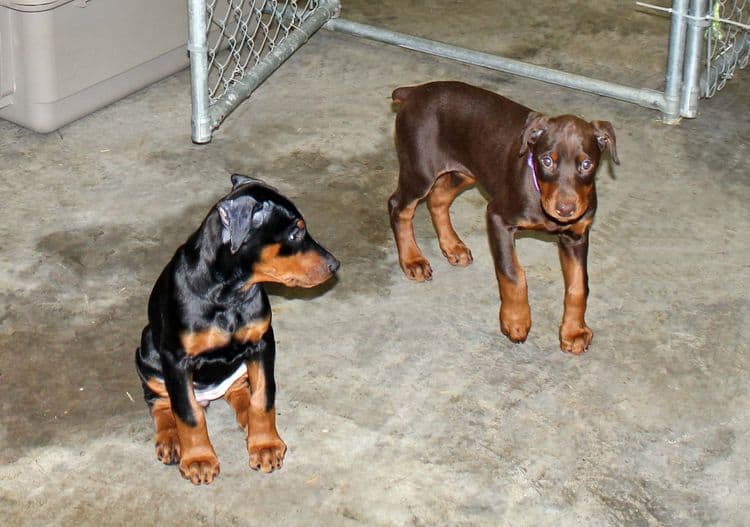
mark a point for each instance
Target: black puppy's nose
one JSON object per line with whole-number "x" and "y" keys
{"x": 565, "y": 208}
{"x": 333, "y": 264}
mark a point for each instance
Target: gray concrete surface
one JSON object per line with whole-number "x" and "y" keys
{"x": 401, "y": 403}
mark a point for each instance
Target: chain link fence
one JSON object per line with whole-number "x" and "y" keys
{"x": 236, "y": 44}
{"x": 727, "y": 42}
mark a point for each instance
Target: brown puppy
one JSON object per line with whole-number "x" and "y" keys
{"x": 538, "y": 170}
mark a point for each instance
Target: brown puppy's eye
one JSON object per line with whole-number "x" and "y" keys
{"x": 586, "y": 164}
{"x": 547, "y": 161}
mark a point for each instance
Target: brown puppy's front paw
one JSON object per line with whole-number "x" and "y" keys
{"x": 167, "y": 447}
{"x": 574, "y": 338}
{"x": 200, "y": 469}
{"x": 515, "y": 323}
{"x": 267, "y": 455}
{"x": 459, "y": 254}
{"x": 417, "y": 269}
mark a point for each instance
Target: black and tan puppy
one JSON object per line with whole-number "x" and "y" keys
{"x": 209, "y": 334}
{"x": 538, "y": 171}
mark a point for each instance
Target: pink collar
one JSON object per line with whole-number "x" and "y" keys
{"x": 530, "y": 162}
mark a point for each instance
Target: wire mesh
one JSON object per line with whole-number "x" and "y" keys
{"x": 242, "y": 32}
{"x": 727, "y": 43}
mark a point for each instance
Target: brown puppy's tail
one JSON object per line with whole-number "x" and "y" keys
{"x": 399, "y": 95}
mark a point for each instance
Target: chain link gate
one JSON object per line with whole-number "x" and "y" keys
{"x": 727, "y": 42}
{"x": 235, "y": 45}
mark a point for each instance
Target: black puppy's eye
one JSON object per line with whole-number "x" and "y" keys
{"x": 297, "y": 233}
{"x": 586, "y": 165}
{"x": 547, "y": 161}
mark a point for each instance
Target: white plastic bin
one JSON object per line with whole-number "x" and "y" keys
{"x": 63, "y": 59}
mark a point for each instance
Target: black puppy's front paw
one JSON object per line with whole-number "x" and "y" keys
{"x": 200, "y": 469}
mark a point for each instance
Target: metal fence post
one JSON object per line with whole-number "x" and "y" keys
{"x": 693, "y": 57}
{"x": 198, "y": 48}
{"x": 675, "y": 61}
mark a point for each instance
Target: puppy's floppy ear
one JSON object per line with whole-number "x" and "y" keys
{"x": 605, "y": 138}
{"x": 536, "y": 125}
{"x": 239, "y": 217}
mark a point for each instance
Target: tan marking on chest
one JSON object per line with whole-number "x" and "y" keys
{"x": 581, "y": 227}
{"x": 201, "y": 341}
{"x": 528, "y": 225}
{"x": 253, "y": 331}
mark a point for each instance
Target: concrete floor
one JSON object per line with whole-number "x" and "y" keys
{"x": 401, "y": 403}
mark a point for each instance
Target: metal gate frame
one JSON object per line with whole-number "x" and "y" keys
{"x": 689, "y": 20}
{"x": 692, "y": 22}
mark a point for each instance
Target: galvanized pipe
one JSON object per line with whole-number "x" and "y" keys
{"x": 643, "y": 97}
{"x": 693, "y": 57}
{"x": 675, "y": 60}
{"x": 198, "y": 47}
{"x": 263, "y": 69}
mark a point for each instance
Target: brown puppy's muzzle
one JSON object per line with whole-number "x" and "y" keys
{"x": 564, "y": 208}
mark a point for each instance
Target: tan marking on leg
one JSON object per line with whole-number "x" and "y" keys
{"x": 252, "y": 333}
{"x": 238, "y": 397}
{"x": 166, "y": 440}
{"x": 198, "y": 461}
{"x": 199, "y": 342}
{"x": 515, "y": 313}
{"x": 412, "y": 261}
{"x": 575, "y": 335}
{"x": 439, "y": 200}
{"x": 264, "y": 445}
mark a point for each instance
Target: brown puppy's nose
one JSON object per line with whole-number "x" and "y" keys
{"x": 565, "y": 208}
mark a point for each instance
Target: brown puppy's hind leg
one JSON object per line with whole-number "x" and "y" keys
{"x": 444, "y": 191}
{"x": 410, "y": 257}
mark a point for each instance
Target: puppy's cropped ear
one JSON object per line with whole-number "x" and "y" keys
{"x": 605, "y": 138}
{"x": 239, "y": 179}
{"x": 536, "y": 125}
{"x": 239, "y": 217}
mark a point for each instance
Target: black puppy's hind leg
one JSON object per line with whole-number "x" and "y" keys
{"x": 166, "y": 440}
{"x": 148, "y": 365}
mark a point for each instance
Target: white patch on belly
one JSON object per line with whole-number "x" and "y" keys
{"x": 211, "y": 393}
